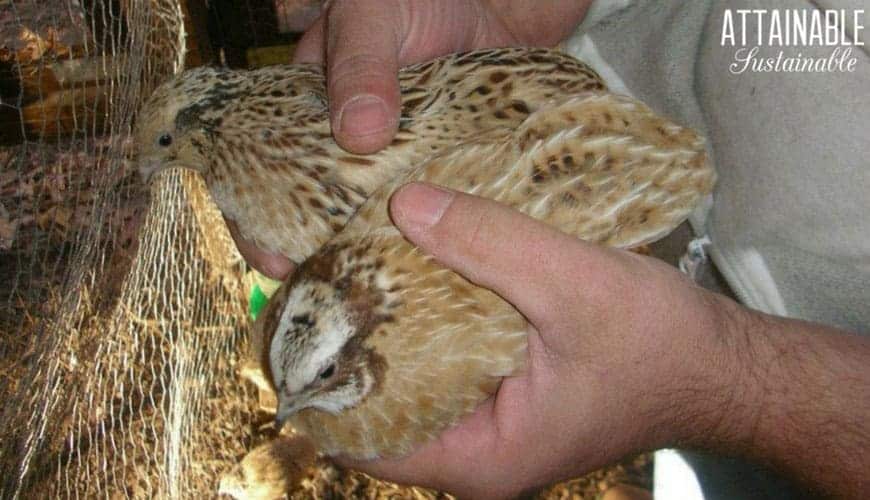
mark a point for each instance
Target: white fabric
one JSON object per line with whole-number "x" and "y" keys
{"x": 789, "y": 224}
{"x": 673, "y": 478}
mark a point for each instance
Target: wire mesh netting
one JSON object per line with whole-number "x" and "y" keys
{"x": 118, "y": 350}
{"x": 122, "y": 310}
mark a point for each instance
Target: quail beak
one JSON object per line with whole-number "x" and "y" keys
{"x": 145, "y": 171}
{"x": 287, "y": 406}
{"x": 147, "y": 167}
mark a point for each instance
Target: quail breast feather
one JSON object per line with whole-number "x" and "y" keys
{"x": 394, "y": 348}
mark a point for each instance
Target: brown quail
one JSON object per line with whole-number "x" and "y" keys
{"x": 262, "y": 141}
{"x": 373, "y": 348}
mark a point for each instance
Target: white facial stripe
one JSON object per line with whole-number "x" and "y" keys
{"x": 334, "y": 330}
{"x": 278, "y": 341}
{"x": 298, "y": 302}
{"x": 331, "y": 331}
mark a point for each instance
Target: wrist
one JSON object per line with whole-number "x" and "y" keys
{"x": 713, "y": 398}
{"x": 788, "y": 394}
{"x": 730, "y": 394}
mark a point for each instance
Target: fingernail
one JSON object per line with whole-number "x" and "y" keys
{"x": 363, "y": 115}
{"x": 422, "y": 205}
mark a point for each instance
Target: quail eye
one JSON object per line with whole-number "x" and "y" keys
{"x": 302, "y": 320}
{"x": 165, "y": 140}
{"x": 328, "y": 372}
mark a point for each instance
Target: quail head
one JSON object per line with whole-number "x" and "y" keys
{"x": 262, "y": 141}
{"x": 373, "y": 348}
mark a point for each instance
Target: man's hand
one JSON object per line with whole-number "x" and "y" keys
{"x": 363, "y": 43}
{"x": 626, "y": 355}
{"x": 619, "y": 347}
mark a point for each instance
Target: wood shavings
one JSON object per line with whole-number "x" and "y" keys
{"x": 30, "y": 30}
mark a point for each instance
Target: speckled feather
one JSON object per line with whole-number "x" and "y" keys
{"x": 601, "y": 167}
{"x": 262, "y": 139}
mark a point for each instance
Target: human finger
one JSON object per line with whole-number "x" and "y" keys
{"x": 310, "y": 48}
{"x": 269, "y": 264}
{"x": 362, "y": 48}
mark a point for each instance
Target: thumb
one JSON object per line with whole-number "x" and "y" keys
{"x": 362, "y": 51}
{"x": 516, "y": 256}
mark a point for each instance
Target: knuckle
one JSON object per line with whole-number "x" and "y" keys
{"x": 357, "y": 66}
{"x": 477, "y": 236}
{"x": 473, "y": 234}
{"x": 360, "y": 73}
